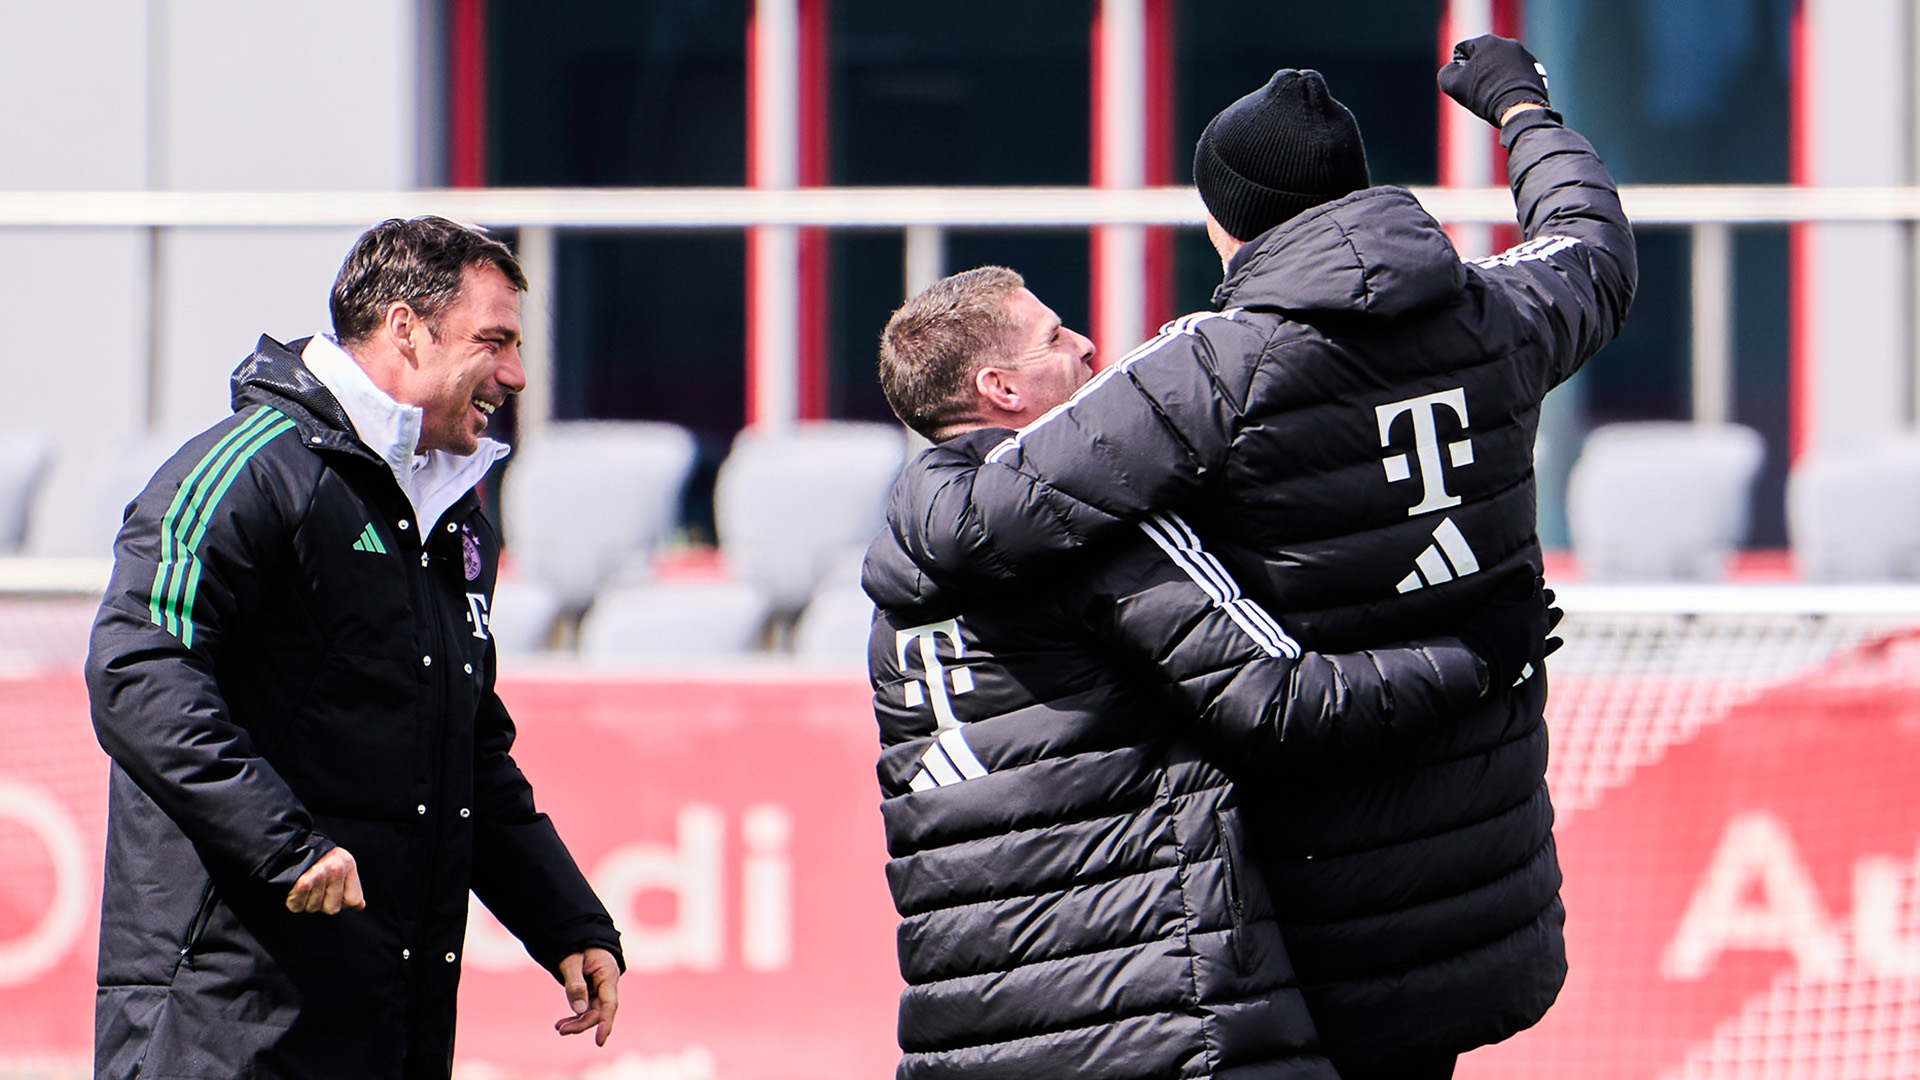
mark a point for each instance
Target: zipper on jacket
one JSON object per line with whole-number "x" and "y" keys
{"x": 1230, "y": 864}
{"x": 201, "y": 917}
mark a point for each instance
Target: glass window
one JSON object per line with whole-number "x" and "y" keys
{"x": 1379, "y": 59}
{"x": 1685, "y": 92}
{"x": 991, "y": 93}
{"x": 649, "y": 325}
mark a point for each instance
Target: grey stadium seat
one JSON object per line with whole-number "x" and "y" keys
{"x": 80, "y": 507}
{"x": 23, "y": 463}
{"x": 789, "y": 504}
{"x": 590, "y": 498}
{"x": 674, "y": 620}
{"x": 833, "y": 629}
{"x": 1854, "y": 514}
{"x": 1662, "y": 501}
{"x": 524, "y": 611}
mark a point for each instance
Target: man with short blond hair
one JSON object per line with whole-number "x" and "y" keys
{"x": 1068, "y": 856}
{"x": 1351, "y": 427}
{"x": 978, "y": 349}
{"x": 933, "y": 344}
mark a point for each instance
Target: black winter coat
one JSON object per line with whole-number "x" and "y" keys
{"x": 1071, "y": 873}
{"x": 1353, "y": 428}
{"x": 286, "y": 662}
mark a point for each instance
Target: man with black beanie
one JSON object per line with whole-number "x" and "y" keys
{"x": 1351, "y": 429}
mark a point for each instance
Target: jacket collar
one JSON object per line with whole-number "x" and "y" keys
{"x": 893, "y": 579}
{"x": 388, "y": 428}
{"x": 278, "y": 375}
{"x": 1376, "y": 252}
{"x": 433, "y": 480}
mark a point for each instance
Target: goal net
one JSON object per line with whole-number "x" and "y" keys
{"x": 1736, "y": 775}
{"x": 1736, "y": 772}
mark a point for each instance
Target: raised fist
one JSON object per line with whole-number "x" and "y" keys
{"x": 1490, "y": 75}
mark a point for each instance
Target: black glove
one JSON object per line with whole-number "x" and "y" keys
{"x": 1554, "y": 615}
{"x": 1510, "y": 630}
{"x": 1491, "y": 74}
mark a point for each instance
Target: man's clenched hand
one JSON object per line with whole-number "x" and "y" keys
{"x": 592, "y": 979}
{"x": 328, "y": 885}
{"x": 1492, "y": 75}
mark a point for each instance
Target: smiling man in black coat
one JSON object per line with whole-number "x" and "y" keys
{"x": 1070, "y": 868}
{"x": 292, "y": 673}
{"x": 1351, "y": 430}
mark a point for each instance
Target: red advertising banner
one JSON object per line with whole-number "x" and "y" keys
{"x": 1743, "y": 888}
{"x": 729, "y": 824}
{"x": 1743, "y": 905}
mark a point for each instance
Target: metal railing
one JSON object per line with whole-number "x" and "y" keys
{"x": 925, "y": 215}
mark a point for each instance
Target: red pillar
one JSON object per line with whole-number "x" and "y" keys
{"x": 814, "y": 376}
{"x": 1157, "y": 170}
{"x": 467, "y": 93}
{"x": 1160, "y": 156}
{"x": 813, "y": 31}
{"x": 1800, "y": 121}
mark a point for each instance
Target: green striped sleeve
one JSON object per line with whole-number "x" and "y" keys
{"x": 177, "y": 580}
{"x": 188, "y": 492}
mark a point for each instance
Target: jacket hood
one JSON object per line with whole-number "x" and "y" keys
{"x": 275, "y": 373}
{"x": 890, "y": 576}
{"x": 1375, "y": 253}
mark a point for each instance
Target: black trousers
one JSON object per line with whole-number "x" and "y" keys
{"x": 1404, "y": 1067}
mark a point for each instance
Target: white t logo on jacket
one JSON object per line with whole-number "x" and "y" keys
{"x": 1426, "y": 446}
{"x": 935, "y": 682}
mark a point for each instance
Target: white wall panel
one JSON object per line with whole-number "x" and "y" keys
{"x": 277, "y": 96}
{"x": 269, "y": 96}
{"x": 73, "y": 302}
{"x": 73, "y": 77}
{"x": 1859, "y": 136}
{"x": 226, "y": 287}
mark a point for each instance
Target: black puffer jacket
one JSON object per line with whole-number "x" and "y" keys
{"x": 1071, "y": 873}
{"x": 284, "y": 662}
{"x": 1354, "y": 430}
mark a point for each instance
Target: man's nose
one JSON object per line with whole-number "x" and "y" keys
{"x": 511, "y": 374}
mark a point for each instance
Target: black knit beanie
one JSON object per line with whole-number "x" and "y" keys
{"x": 1284, "y": 148}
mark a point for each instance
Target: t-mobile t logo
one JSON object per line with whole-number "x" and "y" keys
{"x": 1426, "y": 446}
{"x": 936, "y": 672}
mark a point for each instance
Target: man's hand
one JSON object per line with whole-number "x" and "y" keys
{"x": 1492, "y": 75}
{"x": 1510, "y": 629}
{"x": 328, "y": 885}
{"x": 592, "y": 979}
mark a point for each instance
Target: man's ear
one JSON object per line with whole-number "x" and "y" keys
{"x": 996, "y": 389}
{"x": 400, "y": 324}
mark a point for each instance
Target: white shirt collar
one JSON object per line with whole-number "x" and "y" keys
{"x": 433, "y": 481}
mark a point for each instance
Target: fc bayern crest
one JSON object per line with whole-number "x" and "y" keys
{"x": 470, "y": 552}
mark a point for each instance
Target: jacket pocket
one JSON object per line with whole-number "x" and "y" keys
{"x": 202, "y": 915}
{"x": 1227, "y": 826}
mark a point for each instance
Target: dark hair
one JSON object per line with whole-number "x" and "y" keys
{"x": 937, "y": 340}
{"x": 418, "y": 263}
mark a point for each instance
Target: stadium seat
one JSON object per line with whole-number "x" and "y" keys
{"x": 1662, "y": 501}
{"x": 78, "y": 511}
{"x": 23, "y": 461}
{"x": 522, "y": 618}
{"x": 674, "y": 620}
{"x": 788, "y": 504}
{"x": 1853, "y": 514}
{"x": 590, "y": 498}
{"x": 833, "y": 629}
